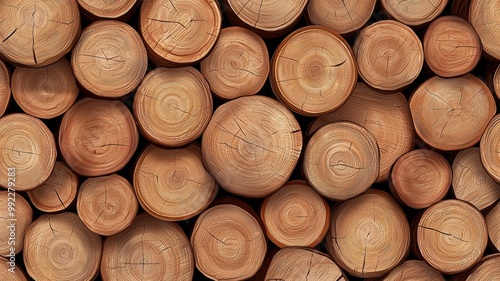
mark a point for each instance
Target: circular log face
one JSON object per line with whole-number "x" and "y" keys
{"x": 452, "y": 114}
{"x": 369, "y": 234}
{"x": 38, "y": 33}
{"x": 496, "y": 82}
{"x": 238, "y": 65}
{"x": 4, "y": 88}
{"x": 452, "y": 236}
{"x": 149, "y": 249}
{"x": 45, "y": 92}
{"x": 389, "y": 54}
{"x": 341, "y": 160}
{"x": 493, "y": 223}
{"x": 451, "y": 46}
{"x": 228, "y": 243}
{"x": 483, "y": 15}
{"x": 14, "y": 223}
{"x": 313, "y": 71}
{"x": 16, "y": 275}
{"x": 413, "y": 270}
{"x": 27, "y": 147}
{"x": 110, "y": 59}
{"x": 179, "y": 32}
{"x": 490, "y": 148}
{"x": 107, "y": 9}
{"x": 97, "y": 137}
{"x": 415, "y": 12}
{"x": 60, "y": 247}
{"x": 251, "y": 145}
{"x": 173, "y": 106}
{"x": 341, "y": 16}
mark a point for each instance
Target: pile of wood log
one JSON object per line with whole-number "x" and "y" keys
{"x": 249, "y": 140}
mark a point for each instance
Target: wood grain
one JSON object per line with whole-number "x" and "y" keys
{"x": 489, "y": 148}
{"x": 484, "y": 17}
{"x": 21, "y": 217}
{"x": 493, "y": 223}
{"x": 5, "y": 91}
{"x": 114, "y": 9}
{"x": 414, "y": 13}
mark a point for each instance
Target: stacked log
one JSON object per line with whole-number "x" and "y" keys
{"x": 249, "y": 140}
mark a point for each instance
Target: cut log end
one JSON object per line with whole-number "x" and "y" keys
{"x": 414, "y": 13}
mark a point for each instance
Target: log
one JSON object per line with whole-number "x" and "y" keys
{"x": 58, "y": 192}
{"x": 29, "y": 148}
{"x": 496, "y": 82}
{"x": 488, "y": 148}
{"x": 411, "y": 270}
{"x": 109, "y": 59}
{"x": 238, "y": 65}
{"x": 106, "y": 205}
{"x": 483, "y": 16}
{"x": 179, "y": 32}
{"x": 38, "y": 33}
{"x": 313, "y": 71}
{"x": 295, "y": 215}
{"x": 493, "y": 224}
{"x": 471, "y": 182}
{"x": 460, "y": 8}
{"x": 60, "y": 247}
{"x": 251, "y": 146}
{"x": 414, "y": 13}
{"x": 97, "y": 137}
{"x": 389, "y": 54}
{"x": 99, "y": 10}
{"x": 172, "y": 106}
{"x": 488, "y": 269}
{"x": 149, "y": 249}
{"x": 452, "y": 113}
{"x": 294, "y": 264}
{"x": 269, "y": 19}
{"x": 345, "y": 17}
{"x": 452, "y": 236}
{"x": 386, "y": 116}
{"x": 341, "y": 160}
{"x": 4, "y": 88}
{"x": 16, "y": 275}
{"x": 172, "y": 184}
{"x": 15, "y": 210}
{"x": 420, "y": 178}
{"x": 45, "y": 92}
{"x": 228, "y": 243}
{"x": 369, "y": 234}
{"x": 451, "y": 46}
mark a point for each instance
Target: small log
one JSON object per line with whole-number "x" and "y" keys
{"x": 172, "y": 184}
{"x": 270, "y": 18}
{"x": 38, "y": 33}
{"x": 415, "y": 251}
{"x": 414, "y": 13}
{"x": 451, "y": 46}
{"x": 412, "y": 270}
{"x": 106, "y": 205}
{"x": 486, "y": 270}
{"x": 296, "y": 264}
{"x": 493, "y": 223}
{"x": 389, "y": 54}
{"x": 345, "y": 17}
{"x": 341, "y": 160}
{"x": 488, "y": 148}
{"x": 295, "y": 215}
{"x": 252, "y": 145}
{"x": 173, "y": 106}
{"x": 119, "y": 10}
{"x": 58, "y": 192}
{"x": 228, "y": 243}
{"x": 97, "y": 137}
{"x": 238, "y": 65}
{"x": 4, "y": 88}
{"x": 60, "y": 247}
{"x": 149, "y": 249}
{"x": 179, "y": 32}
{"x": 362, "y": 238}
{"x": 471, "y": 182}
{"x": 452, "y": 236}
{"x": 452, "y": 113}
{"x": 460, "y": 8}
{"x": 45, "y": 92}
{"x": 496, "y": 81}
{"x": 420, "y": 178}
{"x": 110, "y": 59}
{"x": 313, "y": 71}
{"x": 484, "y": 17}
{"x": 16, "y": 275}
{"x": 29, "y": 148}
{"x": 386, "y": 116}
{"x": 21, "y": 217}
